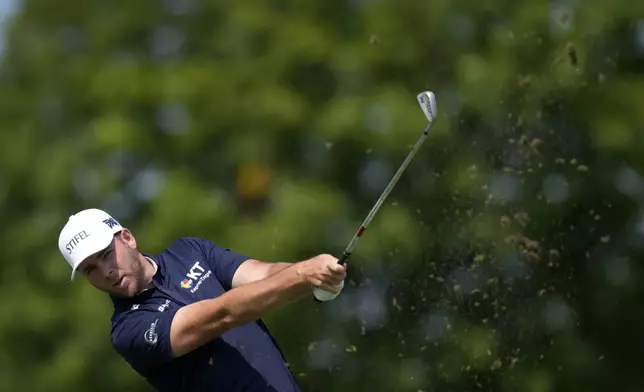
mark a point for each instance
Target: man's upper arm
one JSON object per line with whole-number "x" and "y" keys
{"x": 250, "y": 271}
{"x": 234, "y": 269}
{"x": 142, "y": 337}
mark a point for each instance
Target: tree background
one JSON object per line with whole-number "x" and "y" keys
{"x": 506, "y": 259}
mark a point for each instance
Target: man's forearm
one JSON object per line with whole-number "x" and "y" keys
{"x": 251, "y": 301}
{"x": 202, "y": 321}
{"x": 277, "y": 267}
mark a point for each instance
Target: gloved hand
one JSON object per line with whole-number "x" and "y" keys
{"x": 328, "y": 295}
{"x": 325, "y": 276}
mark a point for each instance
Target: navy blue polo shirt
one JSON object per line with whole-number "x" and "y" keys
{"x": 246, "y": 358}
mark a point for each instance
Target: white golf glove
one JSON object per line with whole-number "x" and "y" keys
{"x": 327, "y": 295}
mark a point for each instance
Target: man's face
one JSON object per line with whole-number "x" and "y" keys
{"x": 117, "y": 269}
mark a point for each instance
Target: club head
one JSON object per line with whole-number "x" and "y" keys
{"x": 427, "y": 102}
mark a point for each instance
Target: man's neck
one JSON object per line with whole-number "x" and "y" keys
{"x": 150, "y": 269}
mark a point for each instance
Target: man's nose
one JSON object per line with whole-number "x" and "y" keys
{"x": 107, "y": 272}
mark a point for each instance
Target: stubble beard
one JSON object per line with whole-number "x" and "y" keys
{"x": 138, "y": 272}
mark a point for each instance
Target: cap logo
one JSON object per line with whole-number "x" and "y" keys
{"x": 76, "y": 239}
{"x": 111, "y": 222}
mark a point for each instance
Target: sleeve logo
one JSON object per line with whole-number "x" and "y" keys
{"x": 151, "y": 335}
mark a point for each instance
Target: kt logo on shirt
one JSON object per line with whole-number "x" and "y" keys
{"x": 196, "y": 273}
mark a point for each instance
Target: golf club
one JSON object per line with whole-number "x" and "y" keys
{"x": 427, "y": 102}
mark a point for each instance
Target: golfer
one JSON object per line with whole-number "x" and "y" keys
{"x": 189, "y": 318}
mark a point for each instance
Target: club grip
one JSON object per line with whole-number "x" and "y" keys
{"x": 343, "y": 258}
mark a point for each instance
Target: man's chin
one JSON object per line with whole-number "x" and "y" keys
{"x": 127, "y": 290}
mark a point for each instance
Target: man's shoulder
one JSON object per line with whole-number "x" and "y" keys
{"x": 179, "y": 251}
{"x": 189, "y": 243}
{"x": 186, "y": 241}
{"x": 182, "y": 253}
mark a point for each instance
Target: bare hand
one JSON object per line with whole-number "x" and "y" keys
{"x": 323, "y": 272}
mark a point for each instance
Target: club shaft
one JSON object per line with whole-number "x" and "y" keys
{"x": 384, "y": 195}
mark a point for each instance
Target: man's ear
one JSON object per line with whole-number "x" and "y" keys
{"x": 128, "y": 238}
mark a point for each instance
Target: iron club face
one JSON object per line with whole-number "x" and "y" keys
{"x": 427, "y": 102}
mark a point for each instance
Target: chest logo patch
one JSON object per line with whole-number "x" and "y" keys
{"x": 195, "y": 277}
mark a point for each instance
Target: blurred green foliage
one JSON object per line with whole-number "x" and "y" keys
{"x": 506, "y": 259}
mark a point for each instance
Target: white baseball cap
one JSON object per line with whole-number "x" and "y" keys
{"x": 86, "y": 233}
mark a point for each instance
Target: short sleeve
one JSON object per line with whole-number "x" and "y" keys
{"x": 143, "y": 337}
{"x": 223, "y": 261}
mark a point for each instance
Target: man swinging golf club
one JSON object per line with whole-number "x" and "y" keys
{"x": 189, "y": 318}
